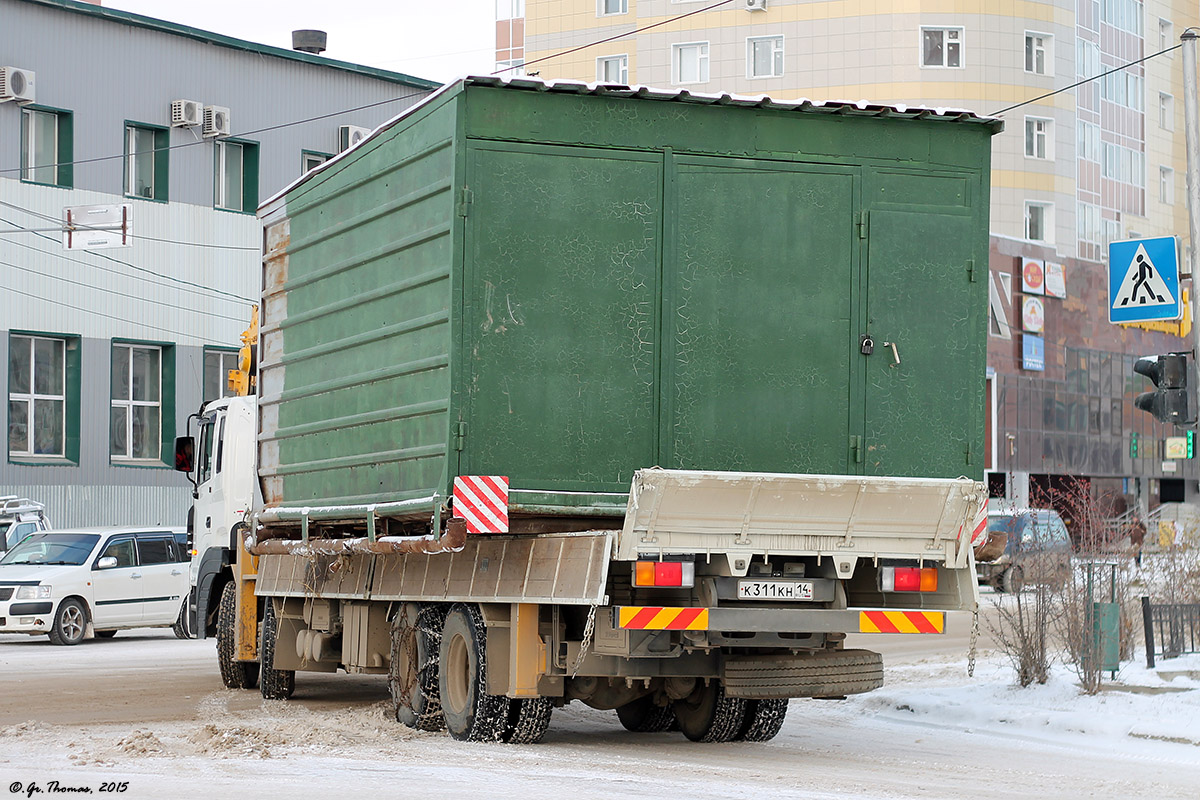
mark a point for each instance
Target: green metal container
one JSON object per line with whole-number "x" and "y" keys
{"x": 563, "y": 284}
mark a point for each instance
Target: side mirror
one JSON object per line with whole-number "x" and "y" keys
{"x": 185, "y": 448}
{"x": 108, "y": 562}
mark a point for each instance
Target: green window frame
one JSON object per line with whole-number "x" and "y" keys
{"x": 235, "y": 175}
{"x": 47, "y": 146}
{"x": 141, "y": 403}
{"x": 43, "y": 372}
{"x": 147, "y": 161}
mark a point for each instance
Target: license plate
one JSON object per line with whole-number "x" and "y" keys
{"x": 775, "y": 590}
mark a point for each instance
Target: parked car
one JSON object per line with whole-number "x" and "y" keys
{"x": 19, "y": 517}
{"x": 1035, "y": 548}
{"x": 65, "y": 583}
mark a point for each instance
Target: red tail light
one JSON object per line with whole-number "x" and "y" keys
{"x": 908, "y": 579}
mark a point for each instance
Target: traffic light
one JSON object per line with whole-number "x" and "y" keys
{"x": 1133, "y": 447}
{"x": 1174, "y": 400}
{"x": 1191, "y": 444}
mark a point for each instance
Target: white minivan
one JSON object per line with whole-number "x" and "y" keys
{"x": 61, "y": 583}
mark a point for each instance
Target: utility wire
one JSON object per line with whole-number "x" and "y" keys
{"x": 1085, "y": 80}
{"x": 615, "y": 37}
{"x": 49, "y": 218}
{"x": 200, "y": 286}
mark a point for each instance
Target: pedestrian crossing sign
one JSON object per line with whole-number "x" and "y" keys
{"x": 1143, "y": 280}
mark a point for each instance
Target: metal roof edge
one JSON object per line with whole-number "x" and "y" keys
{"x": 209, "y": 37}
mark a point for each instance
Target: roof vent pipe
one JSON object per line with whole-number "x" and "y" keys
{"x": 309, "y": 41}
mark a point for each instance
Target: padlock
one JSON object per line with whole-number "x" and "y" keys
{"x": 867, "y": 345}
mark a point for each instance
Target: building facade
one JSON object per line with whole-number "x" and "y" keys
{"x": 110, "y": 348}
{"x": 1073, "y": 171}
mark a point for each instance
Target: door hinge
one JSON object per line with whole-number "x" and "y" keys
{"x": 460, "y": 435}
{"x": 971, "y": 270}
{"x": 465, "y": 198}
{"x": 862, "y": 225}
{"x": 856, "y": 449}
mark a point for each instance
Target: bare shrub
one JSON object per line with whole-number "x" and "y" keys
{"x": 1021, "y": 628}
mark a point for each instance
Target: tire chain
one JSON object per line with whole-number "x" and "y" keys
{"x": 589, "y": 630}
{"x": 974, "y": 642}
{"x": 402, "y": 686}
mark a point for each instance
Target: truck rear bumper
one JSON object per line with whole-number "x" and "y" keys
{"x": 778, "y": 620}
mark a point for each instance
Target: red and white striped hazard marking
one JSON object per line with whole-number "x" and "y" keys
{"x": 978, "y": 528}
{"x": 482, "y": 500}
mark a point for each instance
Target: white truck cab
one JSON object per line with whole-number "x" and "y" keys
{"x": 19, "y": 517}
{"x": 220, "y": 461}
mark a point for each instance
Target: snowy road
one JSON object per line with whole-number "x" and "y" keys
{"x": 149, "y": 710}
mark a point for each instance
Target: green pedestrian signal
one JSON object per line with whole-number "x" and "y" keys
{"x": 1133, "y": 445}
{"x": 1191, "y": 443}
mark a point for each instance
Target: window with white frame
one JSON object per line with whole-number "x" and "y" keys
{"x": 1039, "y": 53}
{"x": 1166, "y": 111}
{"x": 1123, "y": 14}
{"x": 1038, "y": 138}
{"x": 942, "y": 47}
{"x": 1124, "y": 89}
{"x": 46, "y": 146}
{"x": 1123, "y": 164}
{"x": 764, "y": 57}
{"x": 1087, "y": 59}
{"x": 1089, "y": 223}
{"x": 1088, "y": 145}
{"x": 689, "y": 62}
{"x": 511, "y": 68}
{"x": 1039, "y": 222}
{"x": 1166, "y": 35}
{"x": 608, "y": 8}
{"x": 217, "y": 364}
{"x": 1110, "y": 231}
{"x": 146, "y": 150}
{"x": 310, "y": 160}
{"x": 135, "y": 427}
{"x": 37, "y": 396}
{"x": 235, "y": 179}
{"x": 1166, "y": 185}
{"x": 613, "y": 69}
{"x": 509, "y": 9}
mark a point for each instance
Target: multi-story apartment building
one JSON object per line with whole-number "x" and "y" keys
{"x": 1074, "y": 170}
{"x": 107, "y": 351}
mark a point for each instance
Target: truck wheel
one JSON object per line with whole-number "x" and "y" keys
{"x": 472, "y": 715}
{"x": 413, "y": 675}
{"x": 528, "y": 720}
{"x": 70, "y": 623}
{"x": 708, "y": 715}
{"x": 1013, "y": 580}
{"x": 180, "y": 628}
{"x": 645, "y": 716}
{"x": 825, "y": 673}
{"x": 234, "y": 674}
{"x": 276, "y": 684}
{"x": 763, "y": 720}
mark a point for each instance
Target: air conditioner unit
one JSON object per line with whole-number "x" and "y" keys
{"x": 186, "y": 113}
{"x": 350, "y": 135}
{"x": 216, "y": 121}
{"x": 756, "y": 5}
{"x": 16, "y": 84}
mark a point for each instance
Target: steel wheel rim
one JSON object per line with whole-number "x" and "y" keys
{"x": 72, "y": 622}
{"x": 457, "y": 668}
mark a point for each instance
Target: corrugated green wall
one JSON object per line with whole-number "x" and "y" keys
{"x": 566, "y": 288}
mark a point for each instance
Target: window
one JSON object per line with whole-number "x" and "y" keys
{"x": 1089, "y": 141}
{"x": 122, "y": 550}
{"x": 1038, "y": 142}
{"x": 37, "y": 396}
{"x": 1087, "y": 59}
{"x": 146, "y": 152}
{"x": 1110, "y": 230}
{"x": 1123, "y": 14}
{"x": 513, "y": 67}
{"x": 217, "y": 364}
{"x": 136, "y": 429}
{"x": 612, "y": 69}
{"x": 607, "y": 8}
{"x": 46, "y": 146}
{"x": 1123, "y": 164}
{"x": 1166, "y": 185}
{"x": 1124, "y": 89}
{"x": 1038, "y": 53}
{"x": 509, "y": 9}
{"x": 1038, "y": 221}
{"x": 690, "y": 62}
{"x": 236, "y": 176}
{"x": 1089, "y": 223}
{"x": 941, "y": 47}
{"x": 310, "y": 160}
{"x": 764, "y": 57}
{"x": 155, "y": 551}
{"x": 1166, "y": 111}
{"x": 1166, "y": 34}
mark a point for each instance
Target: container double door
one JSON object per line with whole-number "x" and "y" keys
{"x": 624, "y": 310}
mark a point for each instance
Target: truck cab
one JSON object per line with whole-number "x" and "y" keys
{"x": 219, "y": 459}
{"x": 20, "y": 517}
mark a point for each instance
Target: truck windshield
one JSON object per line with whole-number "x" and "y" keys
{"x": 52, "y": 548}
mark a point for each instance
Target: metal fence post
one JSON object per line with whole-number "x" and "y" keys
{"x": 1148, "y": 631}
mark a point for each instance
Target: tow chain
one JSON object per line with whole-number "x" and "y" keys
{"x": 974, "y": 641}
{"x": 585, "y": 645}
